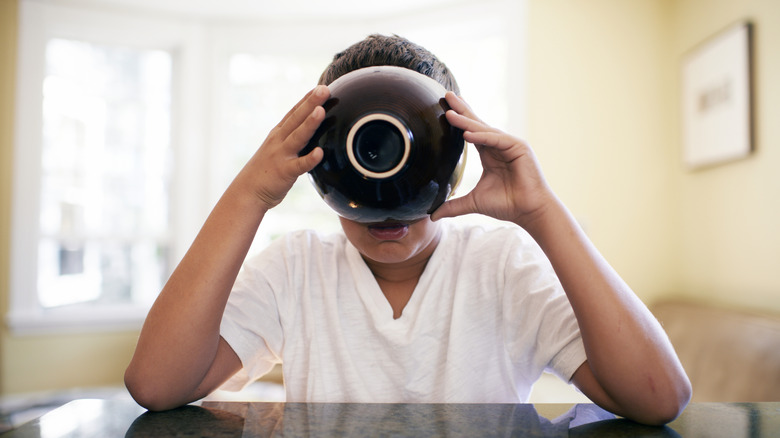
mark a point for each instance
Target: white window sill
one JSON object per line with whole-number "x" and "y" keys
{"x": 80, "y": 319}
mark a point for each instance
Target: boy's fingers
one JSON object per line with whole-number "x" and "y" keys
{"x": 464, "y": 122}
{"x": 295, "y": 107}
{"x": 303, "y": 109}
{"x": 310, "y": 160}
{"x": 301, "y": 135}
{"x": 495, "y": 140}
{"x": 459, "y": 105}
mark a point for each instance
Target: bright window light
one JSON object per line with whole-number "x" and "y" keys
{"x": 105, "y": 174}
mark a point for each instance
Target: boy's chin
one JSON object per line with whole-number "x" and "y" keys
{"x": 388, "y": 253}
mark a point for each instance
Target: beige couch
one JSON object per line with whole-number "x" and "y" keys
{"x": 729, "y": 355}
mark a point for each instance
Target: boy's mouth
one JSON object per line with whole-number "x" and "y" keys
{"x": 388, "y": 230}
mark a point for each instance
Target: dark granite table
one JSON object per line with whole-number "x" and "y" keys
{"x": 102, "y": 418}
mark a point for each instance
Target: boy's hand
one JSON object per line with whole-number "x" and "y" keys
{"x": 512, "y": 186}
{"x": 275, "y": 167}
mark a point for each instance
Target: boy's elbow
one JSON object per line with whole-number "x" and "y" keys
{"x": 677, "y": 402}
{"x": 666, "y": 408}
{"x": 664, "y": 413}
{"x": 147, "y": 394}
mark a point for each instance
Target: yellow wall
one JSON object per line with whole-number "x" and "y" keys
{"x": 8, "y": 31}
{"x": 599, "y": 99}
{"x": 603, "y": 118}
{"x": 729, "y": 240}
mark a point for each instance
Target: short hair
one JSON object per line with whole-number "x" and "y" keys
{"x": 378, "y": 50}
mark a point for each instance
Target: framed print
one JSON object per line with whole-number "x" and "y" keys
{"x": 717, "y": 98}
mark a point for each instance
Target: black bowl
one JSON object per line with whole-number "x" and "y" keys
{"x": 390, "y": 153}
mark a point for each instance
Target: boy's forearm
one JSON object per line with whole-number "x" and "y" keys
{"x": 627, "y": 350}
{"x": 180, "y": 355}
{"x": 180, "y": 337}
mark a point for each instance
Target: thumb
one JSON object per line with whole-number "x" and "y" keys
{"x": 455, "y": 207}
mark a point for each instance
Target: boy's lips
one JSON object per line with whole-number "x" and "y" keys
{"x": 388, "y": 230}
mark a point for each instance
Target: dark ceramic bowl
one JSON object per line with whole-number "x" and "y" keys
{"x": 390, "y": 153}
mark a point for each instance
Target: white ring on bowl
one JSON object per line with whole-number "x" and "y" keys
{"x": 351, "y": 150}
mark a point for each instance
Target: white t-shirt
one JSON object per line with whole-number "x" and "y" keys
{"x": 487, "y": 317}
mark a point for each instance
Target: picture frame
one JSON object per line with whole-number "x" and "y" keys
{"x": 717, "y": 98}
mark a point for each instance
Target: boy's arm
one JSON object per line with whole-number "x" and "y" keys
{"x": 180, "y": 356}
{"x": 631, "y": 368}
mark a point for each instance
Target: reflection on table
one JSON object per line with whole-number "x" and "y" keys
{"x": 101, "y": 418}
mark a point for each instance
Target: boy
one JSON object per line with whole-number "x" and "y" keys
{"x": 404, "y": 312}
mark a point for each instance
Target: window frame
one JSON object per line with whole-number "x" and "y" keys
{"x": 40, "y": 22}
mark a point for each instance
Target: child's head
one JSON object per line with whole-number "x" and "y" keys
{"x": 377, "y": 50}
{"x": 391, "y": 242}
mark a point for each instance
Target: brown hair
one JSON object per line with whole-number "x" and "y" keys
{"x": 377, "y": 50}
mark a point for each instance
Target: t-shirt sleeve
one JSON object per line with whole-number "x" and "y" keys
{"x": 542, "y": 330}
{"x": 571, "y": 353}
{"x": 251, "y": 323}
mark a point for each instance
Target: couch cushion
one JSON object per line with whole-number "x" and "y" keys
{"x": 729, "y": 355}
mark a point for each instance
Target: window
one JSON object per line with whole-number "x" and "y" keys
{"x": 125, "y": 139}
{"x": 97, "y": 218}
{"x": 105, "y": 174}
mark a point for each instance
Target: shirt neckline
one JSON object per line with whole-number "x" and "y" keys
{"x": 373, "y": 297}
